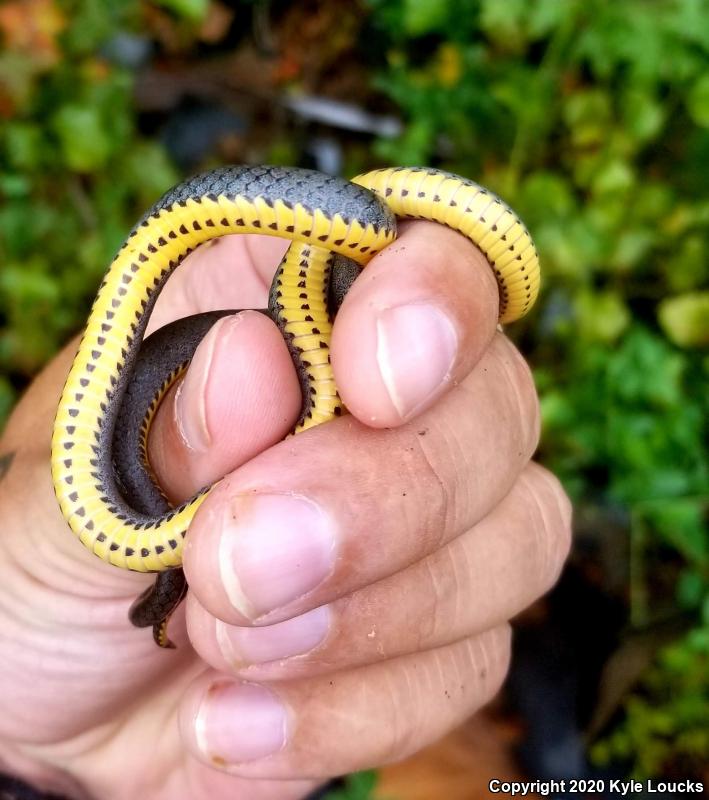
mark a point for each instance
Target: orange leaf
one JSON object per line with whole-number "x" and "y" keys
{"x": 32, "y": 27}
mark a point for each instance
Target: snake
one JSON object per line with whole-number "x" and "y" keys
{"x": 102, "y": 478}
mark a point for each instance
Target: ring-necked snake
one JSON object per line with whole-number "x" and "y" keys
{"x": 101, "y": 474}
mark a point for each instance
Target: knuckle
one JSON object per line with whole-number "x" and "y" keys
{"x": 553, "y": 513}
{"x": 440, "y": 583}
{"x": 492, "y": 651}
{"x": 437, "y": 523}
{"x": 406, "y": 720}
{"x": 521, "y": 386}
{"x": 467, "y": 674}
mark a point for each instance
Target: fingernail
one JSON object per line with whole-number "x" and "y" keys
{"x": 294, "y": 637}
{"x": 240, "y": 722}
{"x": 191, "y": 395}
{"x": 274, "y": 549}
{"x": 416, "y": 349}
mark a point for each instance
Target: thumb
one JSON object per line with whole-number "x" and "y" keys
{"x": 239, "y": 396}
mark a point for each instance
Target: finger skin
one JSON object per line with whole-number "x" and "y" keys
{"x": 478, "y": 581}
{"x": 240, "y": 395}
{"x": 386, "y": 499}
{"x": 229, "y": 272}
{"x": 414, "y": 323}
{"x": 63, "y": 612}
{"x": 349, "y": 721}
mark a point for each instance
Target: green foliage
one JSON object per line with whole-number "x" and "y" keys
{"x": 668, "y": 715}
{"x": 358, "y": 786}
{"x": 683, "y": 319}
{"x": 194, "y": 10}
{"x": 74, "y": 175}
{"x": 633, "y": 415}
{"x": 592, "y": 119}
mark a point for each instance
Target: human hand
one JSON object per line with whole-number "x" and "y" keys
{"x": 350, "y": 586}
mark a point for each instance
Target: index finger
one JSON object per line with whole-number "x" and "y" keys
{"x": 414, "y": 324}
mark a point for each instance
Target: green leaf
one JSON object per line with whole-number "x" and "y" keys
{"x": 686, "y": 267}
{"x": 23, "y": 141}
{"x": 632, "y": 247}
{"x": 614, "y": 177}
{"x": 546, "y": 195}
{"x": 698, "y": 101}
{"x": 421, "y": 18}
{"x": 148, "y": 167}
{"x": 588, "y": 116}
{"x": 572, "y": 248}
{"x": 84, "y": 141}
{"x": 413, "y": 147}
{"x": 193, "y": 10}
{"x": 27, "y": 285}
{"x": 646, "y": 371}
{"x": 653, "y": 200}
{"x": 685, "y": 319}
{"x": 14, "y": 186}
{"x": 643, "y": 115}
{"x": 358, "y": 786}
{"x": 504, "y": 22}
{"x": 556, "y": 410}
{"x": 545, "y": 16}
{"x": 691, "y": 589}
{"x": 602, "y": 316}
{"x": 689, "y": 19}
{"x": 681, "y": 522}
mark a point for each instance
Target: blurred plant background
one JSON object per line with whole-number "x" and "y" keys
{"x": 590, "y": 117}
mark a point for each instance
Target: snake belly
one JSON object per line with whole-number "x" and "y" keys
{"x": 329, "y": 220}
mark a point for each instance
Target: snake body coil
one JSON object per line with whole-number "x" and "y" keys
{"x": 326, "y": 219}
